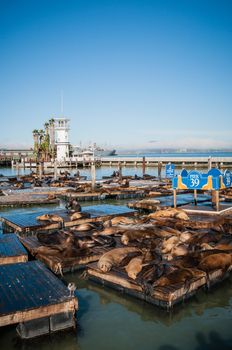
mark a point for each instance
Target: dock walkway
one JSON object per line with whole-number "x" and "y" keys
{"x": 27, "y": 222}
{"x": 29, "y": 291}
{"x": 11, "y": 250}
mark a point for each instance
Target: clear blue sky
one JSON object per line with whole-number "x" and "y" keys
{"x": 136, "y": 73}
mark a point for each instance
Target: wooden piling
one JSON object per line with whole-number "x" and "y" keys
{"x": 93, "y": 175}
{"x": 55, "y": 169}
{"x": 174, "y": 198}
{"x": 144, "y": 165}
{"x": 195, "y": 197}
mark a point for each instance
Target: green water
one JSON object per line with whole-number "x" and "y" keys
{"x": 110, "y": 320}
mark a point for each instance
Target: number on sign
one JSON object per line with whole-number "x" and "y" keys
{"x": 194, "y": 182}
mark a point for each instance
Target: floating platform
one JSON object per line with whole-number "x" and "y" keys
{"x": 27, "y": 223}
{"x": 95, "y": 196}
{"x": 59, "y": 264}
{"x": 38, "y": 190}
{"x": 11, "y": 250}
{"x": 18, "y": 200}
{"x": 29, "y": 292}
{"x": 224, "y": 209}
{"x": 167, "y": 201}
{"x": 165, "y": 297}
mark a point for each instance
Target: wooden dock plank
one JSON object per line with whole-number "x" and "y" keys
{"x": 28, "y": 221}
{"x": 11, "y": 250}
{"x": 166, "y": 296}
{"x": 26, "y": 199}
{"x": 29, "y": 290}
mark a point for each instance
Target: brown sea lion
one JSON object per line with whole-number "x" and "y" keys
{"x": 50, "y": 217}
{"x": 45, "y": 250}
{"x": 178, "y": 276}
{"x": 123, "y": 220}
{"x": 215, "y": 261}
{"x": 169, "y": 243}
{"x": 114, "y": 257}
{"x": 113, "y": 230}
{"x": 75, "y": 216}
{"x": 85, "y": 227}
{"x": 133, "y": 235}
{"x": 134, "y": 267}
{"x": 180, "y": 249}
{"x": 170, "y": 213}
{"x": 186, "y": 236}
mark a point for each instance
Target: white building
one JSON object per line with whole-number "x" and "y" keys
{"x": 61, "y": 138}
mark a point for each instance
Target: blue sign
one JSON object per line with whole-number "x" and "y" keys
{"x": 227, "y": 178}
{"x": 170, "y": 171}
{"x": 194, "y": 180}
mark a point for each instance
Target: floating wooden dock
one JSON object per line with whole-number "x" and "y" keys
{"x": 29, "y": 292}
{"x": 82, "y": 197}
{"x": 164, "y": 297}
{"x": 167, "y": 201}
{"x": 224, "y": 209}
{"x": 11, "y": 250}
{"x": 60, "y": 264}
{"x": 19, "y": 200}
{"x": 26, "y": 223}
{"x": 38, "y": 191}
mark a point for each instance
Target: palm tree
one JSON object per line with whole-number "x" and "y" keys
{"x": 52, "y": 136}
{"x": 35, "y": 133}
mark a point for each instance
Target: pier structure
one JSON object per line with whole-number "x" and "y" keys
{"x": 144, "y": 162}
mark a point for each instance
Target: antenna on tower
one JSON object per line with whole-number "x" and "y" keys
{"x": 62, "y": 102}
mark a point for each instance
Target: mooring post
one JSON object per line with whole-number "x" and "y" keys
{"x": 120, "y": 171}
{"x": 93, "y": 175}
{"x": 40, "y": 170}
{"x": 174, "y": 197}
{"x": 55, "y": 169}
{"x": 144, "y": 165}
{"x": 17, "y": 168}
{"x": 215, "y": 199}
{"x": 159, "y": 170}
{"x": 195, "y": 197}
{"x": 209, "y": 163}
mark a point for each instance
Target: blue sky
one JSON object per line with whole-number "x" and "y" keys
{"x": 139, "y": 73}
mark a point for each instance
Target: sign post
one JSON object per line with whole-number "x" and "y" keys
{"x": 169, "y": 170}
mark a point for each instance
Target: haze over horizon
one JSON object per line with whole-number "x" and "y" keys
{"x": 139, "y": 74}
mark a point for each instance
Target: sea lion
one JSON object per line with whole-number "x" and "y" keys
{"x": 133, "y": 235}
{"x": 113, "y": 230}
{"x": 168, "y": 244}
{"x": 123, "y": 220}
{"x": 180, "y": 249}
{"x": 134, "y": 267}
{"x": 75, "y": 216}
{"x": 215, "y": 261}
{"x": 185, "y": 236}
{"x": 114, "y": 257}
{"x": 175, "y": 277}
{"x": 45, "y": 250}
{"x": 50, "y": 217}
{"x": 170, "y": 213}
{"x": 85, "y": 227}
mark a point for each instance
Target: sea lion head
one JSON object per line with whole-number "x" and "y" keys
{"x": 105, "y": 265}
{"x": 124, "y": 239}
{"x": 132, "y": 274}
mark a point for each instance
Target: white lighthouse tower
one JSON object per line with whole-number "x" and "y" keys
{"x": 61, "y": 138}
